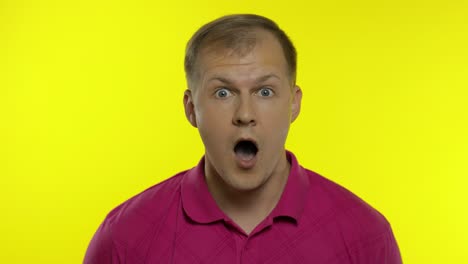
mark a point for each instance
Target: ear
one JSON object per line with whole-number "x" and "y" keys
{"x": 296, "y": 102}
{"x": 189, "y": 108}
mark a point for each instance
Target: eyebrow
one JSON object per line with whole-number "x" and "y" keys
{"x": 258, "y": 80}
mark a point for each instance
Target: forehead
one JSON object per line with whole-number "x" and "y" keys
{"x": 264, "y": 56}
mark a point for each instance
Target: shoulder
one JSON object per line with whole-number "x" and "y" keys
{"x": 339, "y": 201}
{"x": 358, "y": 231}
{"x": 131, "y": 220}
{"x": 131, "y": 224}
{"x": 356, "y": 220}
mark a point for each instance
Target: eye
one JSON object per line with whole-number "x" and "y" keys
{"x": 223, "y": 93}
{"x": 265, "y": 92}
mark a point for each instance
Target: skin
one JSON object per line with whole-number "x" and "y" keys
{"x": 244, "y": 97}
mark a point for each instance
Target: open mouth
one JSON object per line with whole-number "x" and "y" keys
{"x": 246, "y": 150}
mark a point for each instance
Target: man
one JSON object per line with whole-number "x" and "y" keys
{"x": 248, "y": 200}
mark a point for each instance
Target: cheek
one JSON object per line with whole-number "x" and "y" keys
{"x": 213, "y": 114}
{"x": 277, "y": 113}
{"x": 277, "y": 123}
{"x": 209, "y": 117}
{"x": 212, "y": 126}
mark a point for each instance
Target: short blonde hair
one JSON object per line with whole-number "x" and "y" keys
{"x": 236, "y": 32}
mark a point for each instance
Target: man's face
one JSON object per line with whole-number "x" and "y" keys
{"x": 243, "y": 107}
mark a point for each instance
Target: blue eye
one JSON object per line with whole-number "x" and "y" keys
{"x": 223, "y": 93}
{"x": 266, "y": 92}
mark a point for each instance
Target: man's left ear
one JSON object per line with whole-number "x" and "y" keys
{"x": 296, "y": 102}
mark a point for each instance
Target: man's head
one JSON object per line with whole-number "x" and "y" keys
{"x": 242, "y": 99}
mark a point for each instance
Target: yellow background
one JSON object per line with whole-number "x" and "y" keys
{"x": 91, "y": 112}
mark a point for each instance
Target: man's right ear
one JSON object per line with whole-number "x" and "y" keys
{"x": 189, "y": 108}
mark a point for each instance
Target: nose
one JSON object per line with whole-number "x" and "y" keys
{"x": 245, "y": 113}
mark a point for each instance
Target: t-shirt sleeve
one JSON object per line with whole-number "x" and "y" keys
{"x": 382, "y": 249}
{"x": 102, "y": 248}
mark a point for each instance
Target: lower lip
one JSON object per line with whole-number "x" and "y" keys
{"x": 246, "y": 164}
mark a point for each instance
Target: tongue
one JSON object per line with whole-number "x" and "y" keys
{"x": 245, "y": 155}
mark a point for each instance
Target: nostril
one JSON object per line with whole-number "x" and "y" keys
{"x": 242, "y": 121}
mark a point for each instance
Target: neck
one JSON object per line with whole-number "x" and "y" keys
{"x": 247, "y": 208}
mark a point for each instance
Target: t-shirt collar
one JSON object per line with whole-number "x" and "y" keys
{"x": 293, "y": 198}
{"x": 197, "y": 201}
{"x": 201, "y": 207}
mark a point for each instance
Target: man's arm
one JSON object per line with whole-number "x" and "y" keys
{"x": 102, "y": 249}
{"x": 382, "y": 249}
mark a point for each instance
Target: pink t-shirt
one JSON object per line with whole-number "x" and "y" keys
{"x": 178, "y": 221}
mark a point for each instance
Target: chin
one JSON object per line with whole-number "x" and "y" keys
{"x": 246, "y": 185}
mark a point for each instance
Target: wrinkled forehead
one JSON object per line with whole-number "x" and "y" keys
{"x": 239, "y": 71}
{"x": 258, "y": 57}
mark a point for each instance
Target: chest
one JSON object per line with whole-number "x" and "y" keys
{"x": 278, "y": 243}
